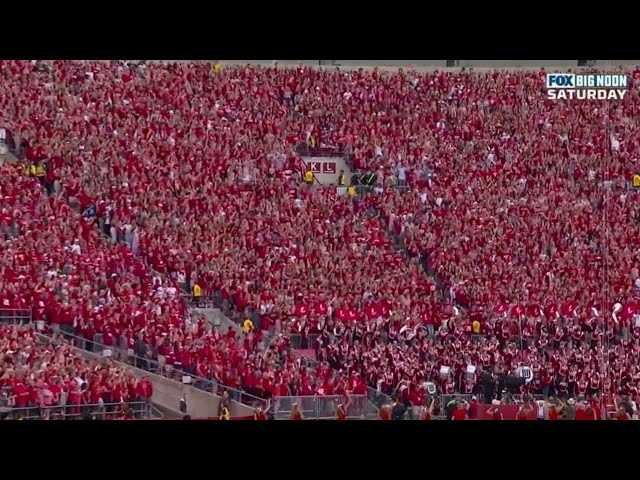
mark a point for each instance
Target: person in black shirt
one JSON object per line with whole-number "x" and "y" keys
{"x": 398, "y": 410}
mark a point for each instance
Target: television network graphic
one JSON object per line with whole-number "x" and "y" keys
{"x": 587, "y": 86}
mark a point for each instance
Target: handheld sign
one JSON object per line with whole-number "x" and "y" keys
{"x": 526, "y": 373}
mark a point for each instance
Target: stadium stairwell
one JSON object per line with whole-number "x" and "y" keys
{"x": 215, "y": 318}
{"x": 399, "y": 244}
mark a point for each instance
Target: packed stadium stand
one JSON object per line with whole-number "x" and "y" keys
{"x": 483, "y": 246}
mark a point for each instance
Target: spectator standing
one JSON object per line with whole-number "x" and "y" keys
{"x": 197, "y": 293}
{"x": 224, "y": 403}
{"x": 398, "y": 410}
{"x": 309, "y": 176}
{"x": 494, "y": 413}
{"x": 473, "y": 408}
{"x": 140, "y": 351}
{"x": 401, "y": 174}
{"x": 460, "y": 410}
{"x": 296, "y": 414}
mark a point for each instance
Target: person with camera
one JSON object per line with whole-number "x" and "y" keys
{"x": 488, "y": 382}
{"x": 460, "y": 410}
{"x": 523, "y": 412}
{"x": 260, "y": 413}
{"x": 296, "y": 414}
{"x": 554, "y": 408}
{"x": 427, "y": 412}
{"x": 494, "y": 412}
{"x": 624, "y": 410}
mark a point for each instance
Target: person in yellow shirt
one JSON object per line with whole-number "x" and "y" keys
{"x": 225, "y": 414}
{"x": 40, "y": 171}
{"x": 217, "y": 68}
{"x": 636, "y": 181}
{"x": 351, "y": 191}
{"x": 197, "y": 292}
{"x": 475, "y": 326}
{"x": 342, "y": 179}
{"x": 312, "y": 142}
{"x": 247, "y": 325}
{"x": 308, "y": 177}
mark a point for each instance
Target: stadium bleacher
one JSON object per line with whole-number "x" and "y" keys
{"x": 493, "y": 234}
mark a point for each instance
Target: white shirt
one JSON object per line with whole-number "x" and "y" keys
{"x": 615, "y": 144}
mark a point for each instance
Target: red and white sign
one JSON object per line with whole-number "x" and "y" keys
{"x": 323, "y": 167}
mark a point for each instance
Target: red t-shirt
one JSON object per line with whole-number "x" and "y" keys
{"x": 459, "y": 414}
{"x": 473, "y": 410}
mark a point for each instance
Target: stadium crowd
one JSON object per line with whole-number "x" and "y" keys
{"x": 51, "y": 381}
{"x": 518, "y": 207}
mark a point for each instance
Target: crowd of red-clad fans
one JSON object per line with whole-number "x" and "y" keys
{"x": 513, "y": 245}
{"x": 51, "y": 381}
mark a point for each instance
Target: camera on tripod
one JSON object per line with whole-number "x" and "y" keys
{"x": 510, "y": 384}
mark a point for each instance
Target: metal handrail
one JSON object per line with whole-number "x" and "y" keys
{"x": 68, "y": 411}
{"x": 156, "y": 412}
{"x": 323, "y": 407}
{"x": 16, "y": 314}
{"x": 152, "y": 365}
